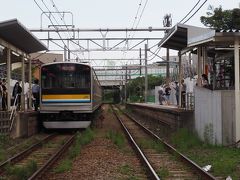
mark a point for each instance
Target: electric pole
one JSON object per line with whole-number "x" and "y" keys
{"x": 167, "y": 22}
{"x": 146, "y": 78}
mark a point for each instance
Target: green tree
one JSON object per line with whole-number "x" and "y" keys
{"x": 218, "y": 18}
{"x": 136, "y": 86}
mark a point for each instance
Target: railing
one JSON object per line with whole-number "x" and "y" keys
{"x": 13, "y": 111}
{"x": 189, "y": 101}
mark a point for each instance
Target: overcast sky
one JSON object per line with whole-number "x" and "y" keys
{"x": 109, "y": 13}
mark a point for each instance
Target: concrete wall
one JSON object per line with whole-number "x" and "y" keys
{"x": 25, "y": 124}
{"x": 214, "y": 115}
{"x": 172, "y": 118}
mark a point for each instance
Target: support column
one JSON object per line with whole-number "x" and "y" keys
{"x": 23, "y": 83}
{"x": 65, "y": 53}
{"x": 140, "y": 58}
{"x": 237, "y": 94}
{"x": 146, "y": 78}
{"x": 167, "y": 67}
{"x": 199, "y": 69}
{"x": 8, "y": 77}
{"x": 30, "y": 83}
{"x": 179, "y": 79}
{"x": 125, "y": 89}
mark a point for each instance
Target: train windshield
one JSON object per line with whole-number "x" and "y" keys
{"x": 65, "y": 76}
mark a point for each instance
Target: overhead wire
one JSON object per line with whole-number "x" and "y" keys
{"x": 63, "y": 20}
{"x": 140, "y": 17}
{"x": 195, "y": 12}
{"x": 190, "y": 11}
{"x": 53, "y": 24}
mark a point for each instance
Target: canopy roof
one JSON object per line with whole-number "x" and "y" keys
{"x": 180, "y": 36}
{"x": 16, "y": 34}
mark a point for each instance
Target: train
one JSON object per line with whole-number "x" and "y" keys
{"x": 70, "y": 94}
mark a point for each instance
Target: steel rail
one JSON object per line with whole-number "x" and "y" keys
{"x": 171, "y": 149}
{"x": 24, "y": 153}
{"x": 53, "y": 159}
{"x": 151, "y": 171}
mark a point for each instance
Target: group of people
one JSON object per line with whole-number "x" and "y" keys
{"x": 165, "y": 92}
{"x": 16, "y": 95}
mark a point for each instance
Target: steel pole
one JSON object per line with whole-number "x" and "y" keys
{"x": 146, "y": 78}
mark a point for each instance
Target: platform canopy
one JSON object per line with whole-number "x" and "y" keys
{"x": 180, "y": 36}
{"x": 13, "y": 32}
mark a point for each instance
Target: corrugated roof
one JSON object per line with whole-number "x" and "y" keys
{"x": 15, "y": 33}
{"x": 175, "y": 39}
{"x": 181, "y": 36}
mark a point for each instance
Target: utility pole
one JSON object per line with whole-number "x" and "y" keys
{"x": 167, "y": 22}
{"x": 125, "y": 90}
{"x": 140, "y": 58}
{"x": 146, "y": 79}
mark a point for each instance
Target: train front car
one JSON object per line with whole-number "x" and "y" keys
{"x": 66, "y": 95}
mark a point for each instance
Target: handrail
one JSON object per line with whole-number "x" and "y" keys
{"x": 13, "y": 111}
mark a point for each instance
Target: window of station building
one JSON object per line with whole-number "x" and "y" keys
{"x": 221, "y": 70}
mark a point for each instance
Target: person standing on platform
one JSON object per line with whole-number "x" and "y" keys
{"x": 205, "y": 81}
{"x": 177, "y": 92}
{"x": 1, "y": 94}
{"x": 4, "y": 97}
{"x": 160, "y": 96}
{"x": 183, "y": 94}
{"x": 16, "y": 95}
{"x": 36, "y": 95}
{"x": 167, "y": 93}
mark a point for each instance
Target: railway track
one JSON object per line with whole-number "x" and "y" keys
{"x": 161, "y": 160}
{"x": 40, "y": 156}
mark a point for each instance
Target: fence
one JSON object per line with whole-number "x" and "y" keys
{"x": 190, "y": 101}
{"x": 4, "y": 122}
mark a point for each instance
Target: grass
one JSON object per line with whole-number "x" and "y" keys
{"x": 128, "y": 171}
{"x": 4, "y": 139}
{"x": 117, "y": 138}
{"x": 2, "y": 154}
{"x": 184, "y": 139}
{"x": 151, "y": 144}
{"x": 81, "y": 139}
{"x": 163, "y": 172}
{"x": 64, "y": 166}
{"x": 225, "y": 161}
{"x": 125, "y": 169}
{"x": 22, "y": 172}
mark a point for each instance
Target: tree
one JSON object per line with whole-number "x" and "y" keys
{"x": 218, "y": 18}
{"x": 136, "y": 86}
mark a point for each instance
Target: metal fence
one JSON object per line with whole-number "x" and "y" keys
{"x": 190, "y": 101}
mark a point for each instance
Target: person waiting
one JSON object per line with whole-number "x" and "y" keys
{"x": 4, "y": 95}
{"x": 205, "y": 81}
{"x": 16, "y": 95}
{"x": 36, "y": 95}
{"x": 183, "y": 94}
{"x": 167, "y": 93}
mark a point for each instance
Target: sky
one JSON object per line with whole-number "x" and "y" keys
{"x": 110, "y": 13}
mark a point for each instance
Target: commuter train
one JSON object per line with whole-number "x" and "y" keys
{"x": 70, "y": 93}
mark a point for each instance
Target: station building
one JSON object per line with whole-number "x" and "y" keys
{"x": 217, "y": 105}
{"x": 16, "y": 45}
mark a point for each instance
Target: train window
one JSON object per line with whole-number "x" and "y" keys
{"x": 65, "y": 76}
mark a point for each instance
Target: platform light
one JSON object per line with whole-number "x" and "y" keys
{"x": 16, "y": 54}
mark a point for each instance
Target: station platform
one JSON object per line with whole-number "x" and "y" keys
{"x": 25, "y": 123}
{"x": 168, "y": 115}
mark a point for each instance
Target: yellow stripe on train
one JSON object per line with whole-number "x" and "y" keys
{"x": 66, "y": 96}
